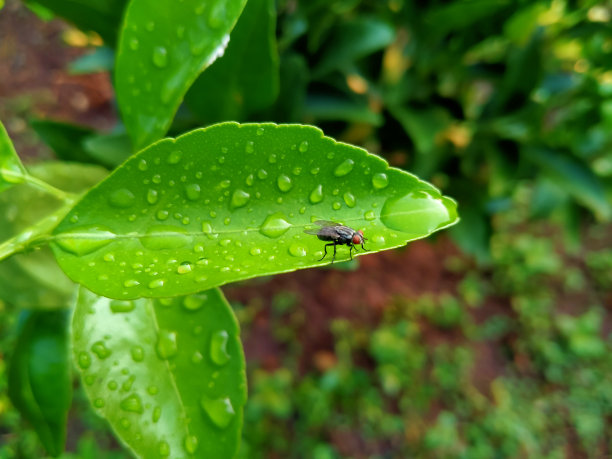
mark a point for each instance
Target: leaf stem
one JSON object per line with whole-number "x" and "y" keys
{"x": 67, "y": 197}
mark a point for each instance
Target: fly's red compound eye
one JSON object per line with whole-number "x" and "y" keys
{"x": 357, "y": 237}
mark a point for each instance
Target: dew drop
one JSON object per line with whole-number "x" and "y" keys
{"x": 160, "y": 57}
{"x": 255, "y": 251}
{"x": 160, "y": 237}
{"x": 192, "y": 191}
{"x": 85, "y": 239}
{"x": 157, "y": 283}
{"x": 349, "y": 199}
{"x": 197, "y": 357}
{"x": 84, "y": 360}
{"x": 225, "y": 183}
{"x": 156, "y": 414}
{"x": 99, "y": 403}
{"x": 166, "y": 344}
{"x": 315, "y": 170}
{"x": 275, "y": 225}
{"x": 156, "y": 179}
{"x": 370, "y": 215}
{"x": 415, "y": 213}
{"x": 336, "y": 205}
{"x": 297, "y": 250}
{"x": 194, "y": 302}
{"x": 152, "y": 196}
{"x": 121, "y": 198}
{"x": 249, "y": 147}
{"x": 174, "y": 157}
{"x": 119, "y": 306}
{"x": 162, "y": 215}
{"x": 284, "y": 183}
{"x": 132, "y": 403}
{"x": 239, "y": 199}
{"x": 125, "y": 423}
{"x": 134, "y": 44}
{"x": 152, "y": 390}
{"x": 219, "y": 410}
{"x": 142, "y": 165}
{"x": 378, "y": 239}
{"x": 380, "y": 181}
{"x": 112, "y": 385}
{"x": 250, "y": 180}
{"x": 303, "y": 148}
{"x": 316, "y": 195}
{"x": 344, "y": 168}
{"x": 218, "y": 347}
{"x": 262, "y": 174}
{"x": 100, "y": 349}
{"x": 163, "y": 448}
{"x": 191, "y": 444}
{"x": 184, "y": 268}
{"x": 272, "y": 158}
{"x": 137, "y": 353}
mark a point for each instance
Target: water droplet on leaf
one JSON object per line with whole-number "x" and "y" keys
{"x": 132, "y": 403}
{"x": 275, "y": 225}
{"x": 121, "y": 198}
{"x": 344, "y": 168}
{"x": 380, "y": 181}
{"x": 218, "y": 347}
{"x": 219, "y": 410}
{"x": 284, "y": 183}
{"x": 316, "y": 195}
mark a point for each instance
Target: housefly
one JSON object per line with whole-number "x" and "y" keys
{"x": 338, "y": 235}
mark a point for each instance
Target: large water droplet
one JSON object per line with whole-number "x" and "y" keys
{"x": 184, "y": 268}
{"x": 100, "y": 349}
{"x": 239, "y": 199}
{"x": 219, "y": 410}
{"x": 160, "y": 237}
{"x": 137, "y": 353}
{"x": 85, "y": 239}
{"x": 275, "y": 225}
{"x": 191, "y": 443}
{"x": 132, "y": 403}
{"x": 284, "y": 183}
{"x": 316, "y": 195}
{"x": 84, "y": 360}
{"x": 160, "y": 56}
{"x": 218, "y": 347}
{"x": 192, "y": 191}
{"x": 297, "y": 250}
{"x": 380, "y": 181}
{"x": 416, "y": 213}
{"x": 122, "y": 198}
{"x": 194, "y": 302}
{"x": 119, "y": 306}
{"x": 152, "y": 196}
{"x": 344, "y": 168}
{"x": 166, "y": 344}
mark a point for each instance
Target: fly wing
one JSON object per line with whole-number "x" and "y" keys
{"x": 312, "y": 231}
{"x": 327, "y": 223}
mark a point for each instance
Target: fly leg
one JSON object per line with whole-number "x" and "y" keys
{"x": 351, "y": 251}
{"x": 334, "y": 257}
{"x": 325, "y": 249}
{"x": 366, "y": 250}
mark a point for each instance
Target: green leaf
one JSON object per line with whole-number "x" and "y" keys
{"x": 422, "y": 125}
{"x": 109, "y": 149}
{"x": 162, "y": 49}
{"x": 33, "y": 279}
{"x": 333, "y": 108}
{"x": 169, "y": 374}
{"x": 40, "y": 384}
{"x": 574, "y": 177}
{"x": 231, "y": 202}
{"x": 101, "y": 16}
{"x": 353, "y": 40}
{"x": 65, "y": 139}
{"x": 11, "y": 169}
{"x": 246, "y": 78}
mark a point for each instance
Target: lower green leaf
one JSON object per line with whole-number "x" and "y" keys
{"x": 39, "y": 376}
{"x": 168, "y": 374}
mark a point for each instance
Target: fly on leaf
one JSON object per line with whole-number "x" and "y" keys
{"x": 338, "y": 234}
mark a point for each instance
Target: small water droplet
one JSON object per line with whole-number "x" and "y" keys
{"x": 160, "y": 57}
{"x": 99, "y": 403}
{"x": 142, "y": 165}
{"x": 85, "y": 239}
{"x": 152, "y": 196}
{"x": 219, "y": 410}
{"x": 192, "y": 191}
{"x": 378, "y": 239}
{"x": 249, "y": 147}
{"x": 174, "y": 157}
{"x": 132, "y": 403}
{"x": 121, "y": 198}
{"x": 166, "y": 344}
{"x": 255, "y": 251}
{"x": 163, "y": 448}
{"x": 153, "y": 389}
{"x": 84, "y": 360}
{"x": 156, "y": 414}
{"x": 100, "y": 349}
{"x": 184, "y": 268}
{"x": 134, "y": 44}
{"x": 316, "y": 195}
{"x": 239, "y": 199}
{"x": 225, "y": 183}
{"x": 275, "y": 225}
{"x": 272, "y": 158}
{"x": 137, "y": 353}
{"x": 191, "y": 444}
{"x": 180, "y": 31}
{"x": 370, "y": 215}
{"x": 157, "y": 283}
{"x": 262, "y": 174}
{"x": 194, "y": 302}
{"x": 160, "y": 237}
{"x": 260, "y": 131}
{"x": 349, "y": 199}
{"x": 336, "y": 205}
{"x": 297, "y": 250}
{"x": 250, "y": 180}
{"x": 284, "y": 183}
{"x": 218, "y": 347}
{"x": 121, "y": 306}
{"x": 315, "y": 170}
{"x": 344, "y": 168}
{"x": 303, "y": 148}
{"x": 162, "y": 215}
{"x": 197, "y": 357}
{"x": 380, "y": 181}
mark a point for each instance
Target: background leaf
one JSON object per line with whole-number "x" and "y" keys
{"x": 65, "y": 139}
{"x": 40, "y": 384}
{"x": 169, "y": 375}
{"x": 154, "y": 69}
{"x": 231, "y": 202}
{"x": 11, "y": 169}
{"x": 247, "y": 77}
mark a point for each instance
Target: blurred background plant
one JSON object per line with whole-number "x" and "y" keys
{"x": 496, "y": 344}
